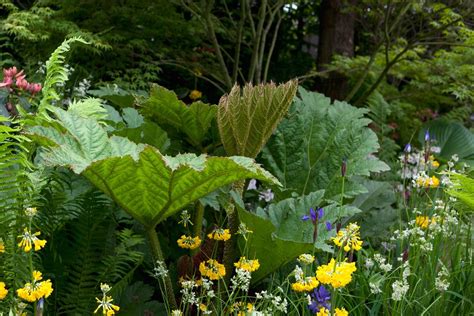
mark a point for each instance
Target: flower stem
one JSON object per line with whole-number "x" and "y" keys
{"x": 158, "y": 255}
{"x": 197, "y": 220}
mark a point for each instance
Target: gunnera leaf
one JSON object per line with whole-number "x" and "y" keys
{"x": 247, "y": 118}
{"x": 309, "y": 146}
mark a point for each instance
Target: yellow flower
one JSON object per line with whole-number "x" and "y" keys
{"x": 434, "y": 164}
{"x": 219, "y": 234}
{"x": 427, "y": 182}
{"x": 337, "y": 274}
{"x": 241, "y": 308}
{"x": 305, "y": 285}
{"x": 349, "y": 238}
{"x": 341, "y": 312}
{"x": 2, "y": 246}
{"x": 195, "y": 94}
{"x": 32, "y": 292}
{"x": 29, "y": 239}
{"x": 323, "y": 311}
{"x": 3, "y": 291}
{"x": 212, "y": 269}
{"x": 247, "y": 264}
{"x": 424, "y": 221}
{"x": 306, "y": 258}
{"x": 203, "y": 307}
{"x": 105, "y": 303}
{"x": 189, "y": 242}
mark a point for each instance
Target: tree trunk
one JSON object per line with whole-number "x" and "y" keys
{"x": 336, "y": 37}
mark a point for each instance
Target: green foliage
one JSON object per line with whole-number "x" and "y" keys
{"x": 463, "y": 189}
{"x": 308, "y": 148}
{"x": 146, "y": 184}
{"x": 247, "y": 119}
{"x": 194, "y": 121}
{"x": 452, "y": 138}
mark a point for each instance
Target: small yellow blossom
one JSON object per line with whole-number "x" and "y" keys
{"x": 337, "y": 274}
{"x": 323, "y": 311}
{"x": 434, "y": 164}
{"x": 32, "y": 292}
{"x": 247, "y": 264}
{"x": 105, "y": 303}
{"x": 349, "y": 238}
{"x": 203, "y": 307}
{"x": 427, "y": 182}
{"x": 29, "y": 239}
{"x": 305, "y": 285}
{"x": 31, "y": 211}
{"x": 306, "y": 258}
{"x": 241, "y": 308}
{"x": 189, "y": 242}
{"x": 195, "y": 94}
{"x": 176, "y": 312}
{"x": 212, "y": 269}
{"x": 424, "y": 221}
{"x": 3, "y": 291}
{"x": 2, "y": 246}
{"x": 219, "y": 234}
{"x": 341, "y": 312}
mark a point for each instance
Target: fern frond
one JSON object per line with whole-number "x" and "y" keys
{"x": 56, "y": 74}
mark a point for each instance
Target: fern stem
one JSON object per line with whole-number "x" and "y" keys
{"x": 230, "y": 248}
{"x": 158, "y": 255}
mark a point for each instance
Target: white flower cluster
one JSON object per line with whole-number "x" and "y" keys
{"x": 187, "y": 292}
{"x": 241, "y": 280}
{"x": 441, "y": 281}
{"x": 276, "y": 302}
{"x": 374, "y": 288}
{"x": 160, "y": 270}
{"x": 401, "y": 287}
{"x": 80, "y": 91}
{"x": 382, "y": 262}
{"x": 207, "y": 287}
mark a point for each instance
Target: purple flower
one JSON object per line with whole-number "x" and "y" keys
{"x": 343, "y": 167}
{"x": 407, "y": 148}
{"x": 320, "y": 298}
{"x": 328, "y": 225}
{"x": 427, "y": 135}
{"x": 314, "y": 216}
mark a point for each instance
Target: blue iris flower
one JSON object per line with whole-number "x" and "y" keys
{"x": 314, "y": 216}
{"x": 320, "y": 298}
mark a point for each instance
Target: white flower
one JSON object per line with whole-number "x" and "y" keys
{"x": 176, "y": 312}
{"x": 298, "y": 272}
{"x": 400, "y": 288}
{"x": 386, "y": 267}
{"x": 160, "y": 270}
{"x": 369, "y": 263}
{"x": 266, "y": 195}
{"x": 241, "y": 280}
{"x": 374, "y": 288}
{"x": 252, "y": 185}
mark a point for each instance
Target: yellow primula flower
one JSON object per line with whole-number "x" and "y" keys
{"x": 189, "y": 242}
{"x": 212, "y": 269}
{"x": 220, "y": 234}
{"x": 241, "y": 308}
{"x": 3, "y": 291}
{"x": 247, "y": 264}
{"x": 28, "y": 240}
{"x": 305, "y": 285}
{"x": 195, "y": 94}
{"x": 341, "y": 312}
{"x": 336, "y": 274}
{"x": 105, "y": 303}
{"x": 323, "y": 311}
{"x": 424, "y": 221}
{"x": 306, "y": 258}
{"x": 349, "y": 238}
{"x": 32, "y": 292}
{"x": 434, "y": 164}
{"x": 427, "y": 182}
{"x": 2, "y": 246}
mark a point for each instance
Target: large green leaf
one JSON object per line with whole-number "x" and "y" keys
{"x": 463, "y": 189}
{"x": 271, "y": 251}
{"x": 309, "y": 147}
{"x": 164, "y": 107}
{"x": 452, "y": 138}
{"x": 146, "y": 184}
{"x": 247, "y": 119}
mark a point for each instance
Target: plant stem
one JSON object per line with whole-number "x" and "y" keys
{"x": 230, "y": 248}
{"x": 158, "y": 255}
{"x": 197, "y": 220}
